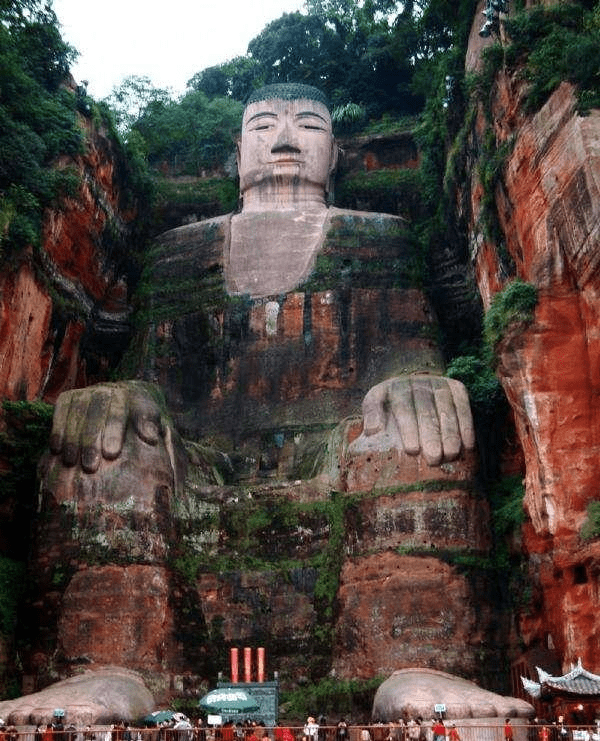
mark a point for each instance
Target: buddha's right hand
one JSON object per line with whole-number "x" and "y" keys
{"x": 90, "y": 424}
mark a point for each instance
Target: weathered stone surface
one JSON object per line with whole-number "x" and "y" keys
{"x": 400, "y": 611}
{"x": 25, "y": 312}
{"x": 117, "y": 611}
{"x": 416, "y": 691}
{"x": 305, "y": 359}
{"x": 129, "y": 563}
{"x": 106, "y": 695}
{"x": 41, "y": 346}
{"x": 549, "y": 208}
{"x": 421, "y": 519}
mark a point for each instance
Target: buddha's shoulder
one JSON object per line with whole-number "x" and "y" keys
{"x": 348, "y": 230}
{"x": 199, "y": 242}
{"x": 346, "y": 220}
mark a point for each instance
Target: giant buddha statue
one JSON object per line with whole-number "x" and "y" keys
{"x": 265, "y": 329}
{"x": 285, "y": 315}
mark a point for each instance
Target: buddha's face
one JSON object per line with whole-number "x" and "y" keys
{"x": 288, "y": 141}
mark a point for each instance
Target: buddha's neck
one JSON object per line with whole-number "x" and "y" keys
{"x": 272, "y": 197}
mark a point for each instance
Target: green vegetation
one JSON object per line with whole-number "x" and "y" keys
{"x": 485, "y": 392}
{"x": 508, "y": 515}
{"x": 38, "y": 121}
{"x": 204, "y": 197}
{"x": 591, "y": 527}
{"x": 192, "y": 134}
{"x": 332, "y": 697}
{"x": 26, "y": 433}
{"x": 390, "y": 124}
{"x": 515, "y": 305}
{"x": 507, "y": 507}
{"x": 386, "y": 191}
{"x": 374, "y": 60}
{"x": 554, "y": 44}
{"x": 12, "y": 581}
{"x": 548, "y": 45}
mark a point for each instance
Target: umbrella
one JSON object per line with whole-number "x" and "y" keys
{"x": 228, "y": 701}
{"x": 160, "y": 716}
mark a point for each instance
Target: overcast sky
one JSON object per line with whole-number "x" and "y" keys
{"x": 165, "y": 41}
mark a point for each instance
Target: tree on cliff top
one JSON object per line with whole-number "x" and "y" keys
{"x": 37, "y": 118}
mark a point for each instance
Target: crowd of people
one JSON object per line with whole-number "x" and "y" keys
{"x": 411, "y": 729}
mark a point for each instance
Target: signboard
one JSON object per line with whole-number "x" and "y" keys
{"x": 214, "y": 720}
{"x": 439, "y": 708}
{"x": 266, "y": 695}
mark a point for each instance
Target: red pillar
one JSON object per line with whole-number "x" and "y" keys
{"x": 260, "y": 664}
{"x": 247, "y": 664}
{"x": 235, "y": 667}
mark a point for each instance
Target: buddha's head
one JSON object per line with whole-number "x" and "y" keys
{"x": 287, "y": 153}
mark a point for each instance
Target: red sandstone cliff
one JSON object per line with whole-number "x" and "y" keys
{"x": 548, "y": 203}
{"x": 73, "y": 292}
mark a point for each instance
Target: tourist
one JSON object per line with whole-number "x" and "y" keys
{"x": 393, "y": 733}
{"x": 562, "y": 730}
{"x": 341, "y": 730}
{"x": 199, "y": 730}
{"x": 413, "y": 730}
{"x": 453, "y": 733}
{"x": 508, "y": 730}
{"x": 311, "y": 729}
{"x": 439, "y": 730}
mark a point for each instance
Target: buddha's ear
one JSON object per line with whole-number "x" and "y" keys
{"x": 333, "y": 159}
{"x": 238, "y": 152}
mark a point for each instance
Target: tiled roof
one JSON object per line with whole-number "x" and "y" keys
{"x": 578, "y": 681}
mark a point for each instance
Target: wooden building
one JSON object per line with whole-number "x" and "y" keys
{"x": 575, "y": 695}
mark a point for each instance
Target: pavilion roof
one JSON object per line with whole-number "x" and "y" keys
{"x": 578, "y": 681}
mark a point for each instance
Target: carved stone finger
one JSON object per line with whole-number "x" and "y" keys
{"x": 403, "y": 411}
{"x": 463, "y": 413}
{"x": 59, "y": 422}
{"x": 446, "y": 411}
{"x": 429, "y": 425}
{"x": 373, "y": 407}
{"x": 76, "y": 416}
{"x": 93, "y": 428}
{"x": 116, "y": 423}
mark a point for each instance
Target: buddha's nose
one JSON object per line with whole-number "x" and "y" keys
{"x": 286, "y": 141}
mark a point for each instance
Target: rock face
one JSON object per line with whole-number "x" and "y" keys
{"x": 357, "y": 563}
{"x": 548, "y": 203}
{"x": 63, "y": 325}
{"x": 272, "y": 557}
